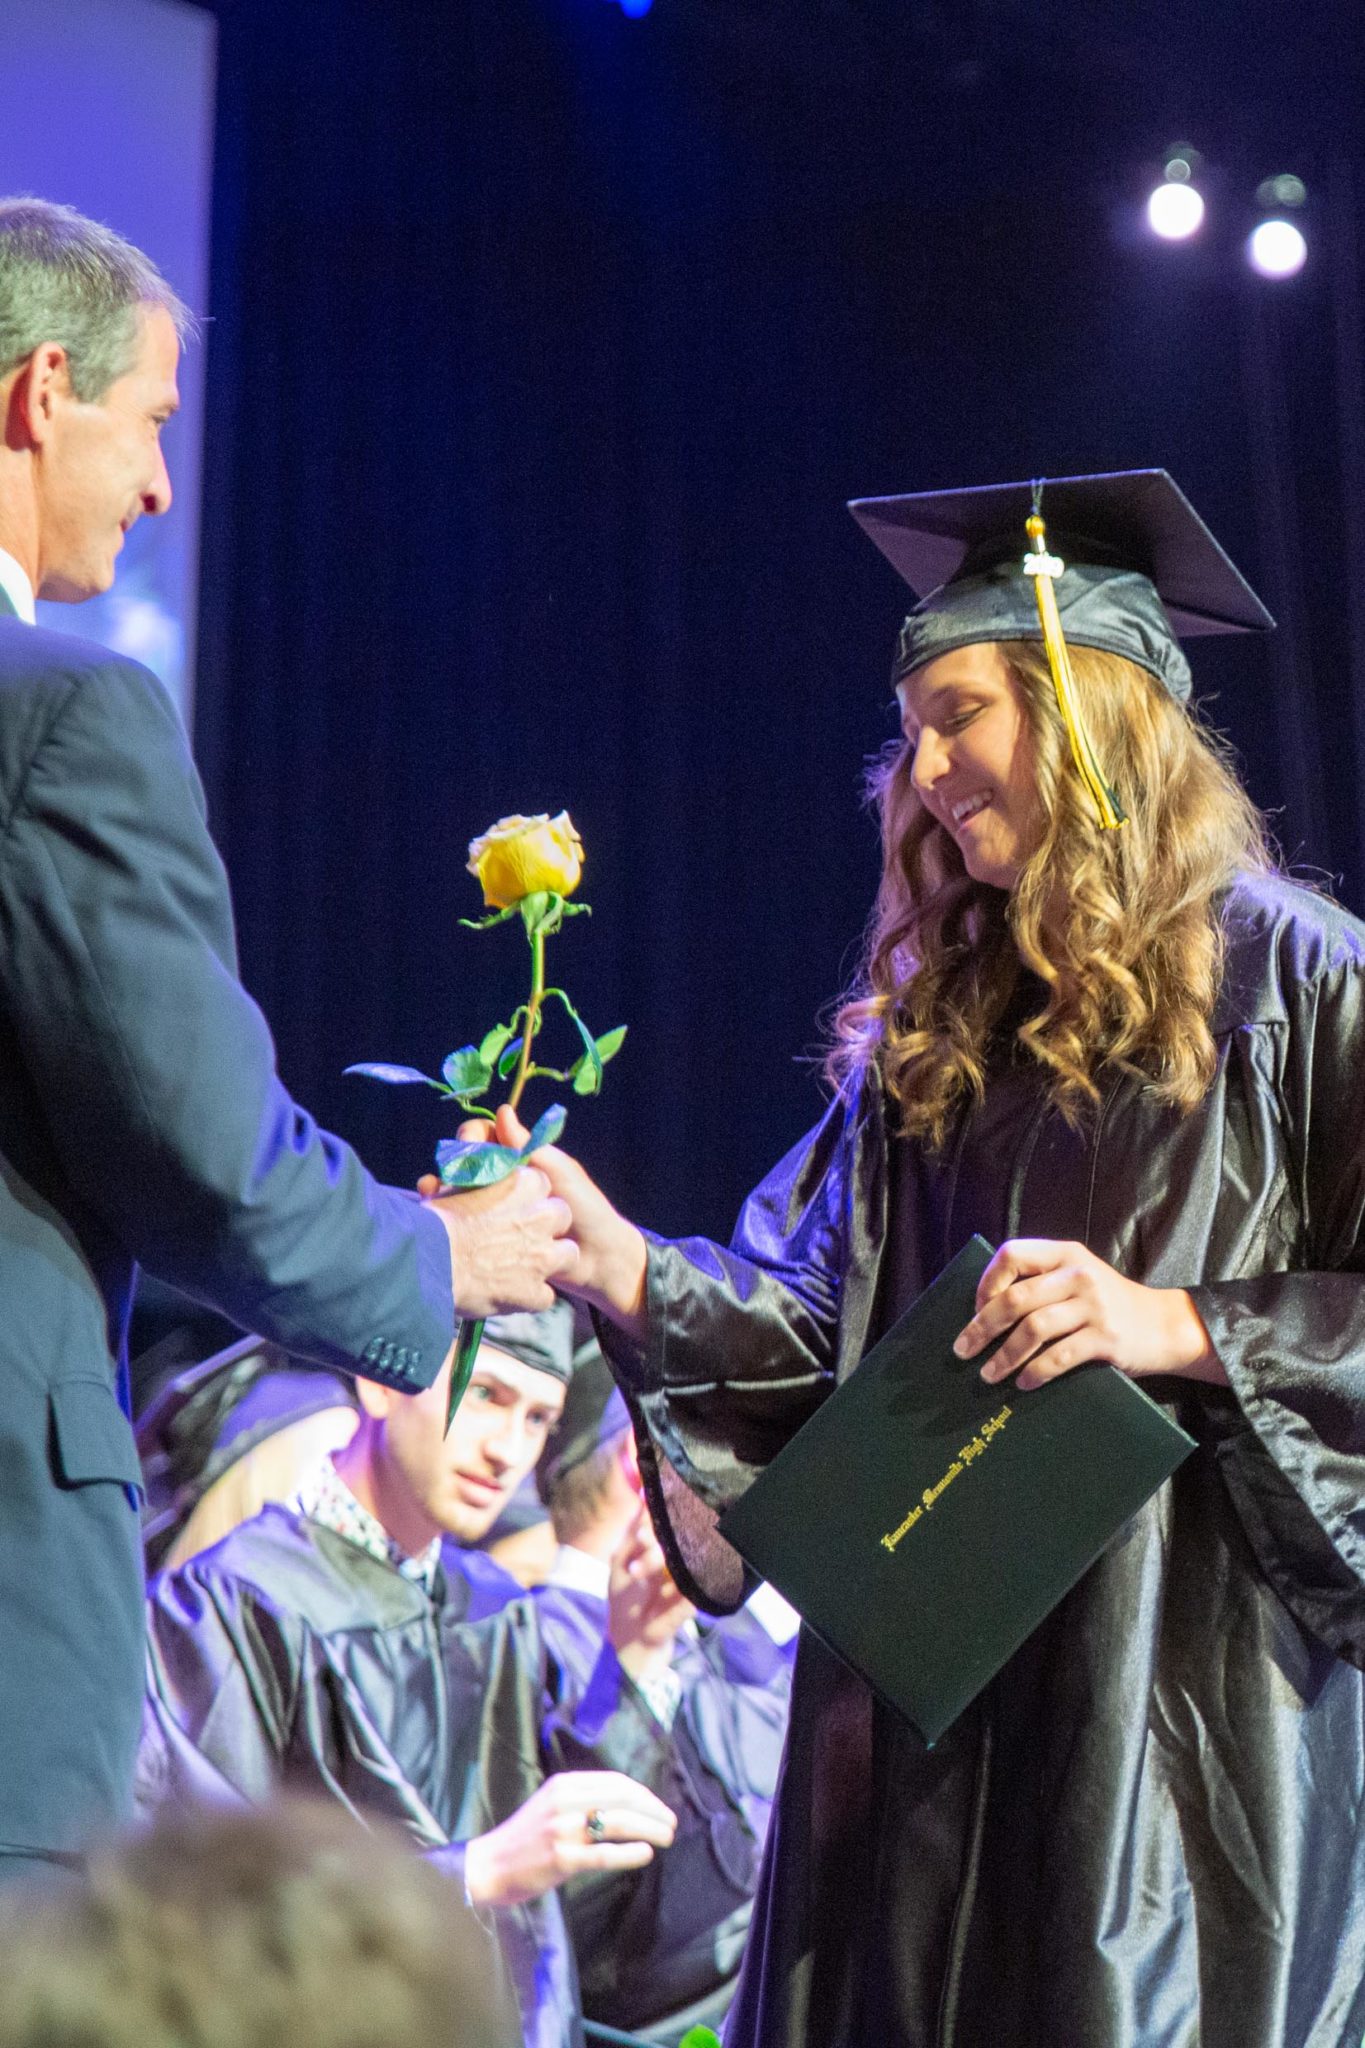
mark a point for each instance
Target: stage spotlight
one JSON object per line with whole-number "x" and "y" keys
{"x": 635, "y": 8}
{"x": 1176, "y": 207}
{"x": 1277, "y": 248}
{"x": 1174, "y": 211}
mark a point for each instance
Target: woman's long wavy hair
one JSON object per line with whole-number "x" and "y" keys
{"x": 1121, "y": 927}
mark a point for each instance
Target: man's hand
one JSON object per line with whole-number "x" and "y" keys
{"x": 645, "y": 1610}
{"x": 507, "y": 1243}
{"x": 1063, "y": 1307}
{"x": 609, "y": 1271}
{"x": 576, "y": 1820}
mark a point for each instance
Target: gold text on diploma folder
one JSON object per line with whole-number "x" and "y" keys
{"x": 967, "y": 1455}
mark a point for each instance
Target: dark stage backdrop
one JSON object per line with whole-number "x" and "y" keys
{"x": 546, "y": 348}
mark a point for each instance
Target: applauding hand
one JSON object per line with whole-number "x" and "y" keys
{"x": 645, "y": 1610}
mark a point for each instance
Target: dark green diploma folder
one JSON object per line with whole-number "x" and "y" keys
{"x": 923, "y": 1522}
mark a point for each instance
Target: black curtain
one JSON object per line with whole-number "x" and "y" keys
{"x": 546, "y": 346}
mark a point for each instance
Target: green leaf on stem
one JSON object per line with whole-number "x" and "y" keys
{"x": 541, "y": 912}
{"x": 508, "y": 1057}
{"x": 468, "y": 1337}
{"x": 586, "y": 1075}
{"x": 587, "y": 1071}
{"x": 699, "y": 2037}
{"x": 381, "y": 1070}
{"x": 548, "y": 1129}
{"x": 467, "y": 1072}
{"x": 483, "y": 924}
{"x": 492, "y": 1043}
{"x": 473, "y": 1163}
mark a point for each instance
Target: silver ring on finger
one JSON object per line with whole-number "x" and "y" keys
{"x": 594, "y": 1825}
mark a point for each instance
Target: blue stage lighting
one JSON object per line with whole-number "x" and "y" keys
{"x": 635, "y": 8}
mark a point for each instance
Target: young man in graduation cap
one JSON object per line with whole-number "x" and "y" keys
{"x": 334, "y": 1646}
{"x": 1098, "y": 1027}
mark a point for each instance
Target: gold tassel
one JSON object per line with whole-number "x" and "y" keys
{"x": 1044, "y": 568}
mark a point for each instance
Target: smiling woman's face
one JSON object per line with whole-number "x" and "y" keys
{"x": 974, "y": 762}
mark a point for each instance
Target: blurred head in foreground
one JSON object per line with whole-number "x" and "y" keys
{"x": 292, "y": 1928}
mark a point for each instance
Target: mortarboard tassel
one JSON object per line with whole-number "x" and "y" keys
{"x": 1044, "y": 569}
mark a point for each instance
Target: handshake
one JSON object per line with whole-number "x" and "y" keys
{"x": 547, "y": 1228}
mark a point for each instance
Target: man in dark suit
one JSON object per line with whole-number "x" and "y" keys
{"x": 141, "y": 1117}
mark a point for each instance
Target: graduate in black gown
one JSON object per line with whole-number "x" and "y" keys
{"x": 1131, "y": 1054}
{"x": 336, "y": 1647}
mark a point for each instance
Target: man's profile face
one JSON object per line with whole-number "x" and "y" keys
{"x": 460, "y": 1483}
{"x": 101, "y": 466}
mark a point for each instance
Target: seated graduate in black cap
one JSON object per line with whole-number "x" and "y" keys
{"x": 331, "y": 1646}
{"x": 659, "y": 1949}
{"x": 1097, "y": 1026}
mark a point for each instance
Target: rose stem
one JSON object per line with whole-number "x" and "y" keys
{"x": 532, "y": 1024}
{"x": 470, "y": 1333}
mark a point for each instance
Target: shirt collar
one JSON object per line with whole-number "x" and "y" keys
{"x": 325, "y": 1498}
{"x": 17, "y": 588}
{"x": 578, "y": 1572}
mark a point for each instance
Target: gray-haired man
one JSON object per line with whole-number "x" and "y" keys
{"x": 140, "y": 1113}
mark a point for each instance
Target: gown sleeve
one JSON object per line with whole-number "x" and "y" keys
{"x": 1293, "y": 1342}
{"x": 745, "y": 1342}
{"x": 593, "y": 1717}
{"x": 222, "y": 1678}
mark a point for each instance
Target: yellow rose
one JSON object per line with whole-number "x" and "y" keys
{"x": 520, "y": 856}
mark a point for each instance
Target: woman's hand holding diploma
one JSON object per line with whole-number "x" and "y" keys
{"x": 1063, "y": 1307}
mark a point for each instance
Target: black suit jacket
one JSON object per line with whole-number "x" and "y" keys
{"x": 141, "y": 1118}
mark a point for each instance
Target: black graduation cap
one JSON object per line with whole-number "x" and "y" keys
{"x": 1140, "y": 568}
{"x": 543, "y": 1338}
{"x": 594, "y": 1414}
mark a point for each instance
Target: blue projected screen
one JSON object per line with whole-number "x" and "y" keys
{"x": 107, "y": 105}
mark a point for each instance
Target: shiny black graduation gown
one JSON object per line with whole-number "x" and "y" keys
{"x": 1149, "y": 1831}
{"x": 287, "y": 1658}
